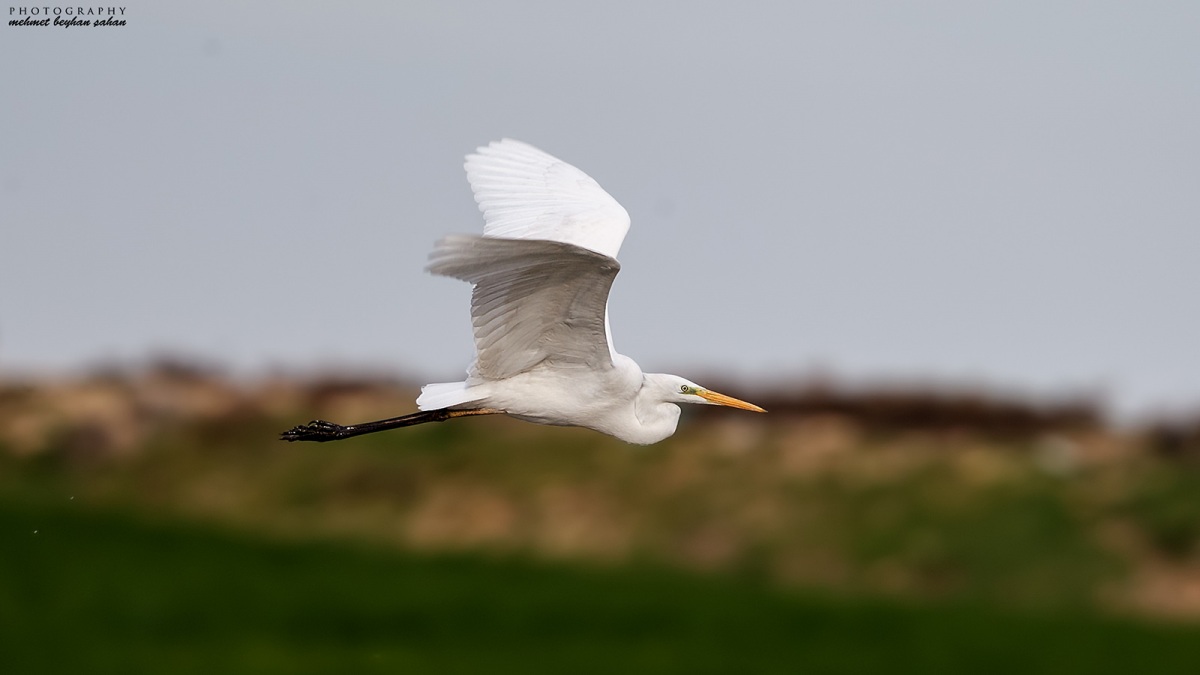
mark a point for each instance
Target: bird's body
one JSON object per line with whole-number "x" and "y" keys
{"x": 620, "y": 401}
{"x": 541, "y": 272}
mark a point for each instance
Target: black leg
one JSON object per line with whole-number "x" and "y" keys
{"x": 321, "y": 431}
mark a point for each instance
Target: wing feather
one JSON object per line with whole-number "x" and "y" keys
{"x": 525, "y": 193}
{"x": 534, "y": 301}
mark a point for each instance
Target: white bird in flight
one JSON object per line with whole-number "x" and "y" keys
{"x": 541, "y": 272}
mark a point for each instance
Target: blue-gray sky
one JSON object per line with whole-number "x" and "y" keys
{"x": 1005, "y": 192}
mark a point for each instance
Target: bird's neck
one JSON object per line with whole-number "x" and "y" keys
{"x": 657, "y": 418}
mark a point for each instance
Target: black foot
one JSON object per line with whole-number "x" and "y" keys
{"x": 316, "y": 430}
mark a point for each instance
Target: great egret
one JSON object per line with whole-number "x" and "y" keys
{"x": 541, "y": 273}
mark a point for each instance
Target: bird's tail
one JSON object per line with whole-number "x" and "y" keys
{"x": 446, "y": 395}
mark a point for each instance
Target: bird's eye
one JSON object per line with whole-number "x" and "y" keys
{"x": 683, "y": 388}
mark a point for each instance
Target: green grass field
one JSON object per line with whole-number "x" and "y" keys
{"x": 95, "y": 591}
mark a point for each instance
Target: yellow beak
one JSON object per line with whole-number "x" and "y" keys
{"x": 722, "y": 399}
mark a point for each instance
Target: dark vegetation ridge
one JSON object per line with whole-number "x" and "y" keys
{"x": 920, "y": 494}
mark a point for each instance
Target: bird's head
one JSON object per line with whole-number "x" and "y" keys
{"x": 678, "y": 390}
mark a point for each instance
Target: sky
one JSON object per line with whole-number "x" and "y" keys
{"x": 1002, "y": 194}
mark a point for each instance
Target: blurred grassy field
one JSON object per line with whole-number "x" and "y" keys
{"x": 86, "y": 591}
{"x": 153, "y": 523}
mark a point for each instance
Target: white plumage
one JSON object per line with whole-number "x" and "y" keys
{"x": 525, "y": 193}
{"x": 541, "y": 272}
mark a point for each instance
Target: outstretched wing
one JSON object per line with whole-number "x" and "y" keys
{"x": 534, "y": 301}
{"x": 525, "y": 193}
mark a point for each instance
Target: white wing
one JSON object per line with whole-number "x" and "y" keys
{"x": 525, "y": 193}
{"x": 534, "y": 302}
